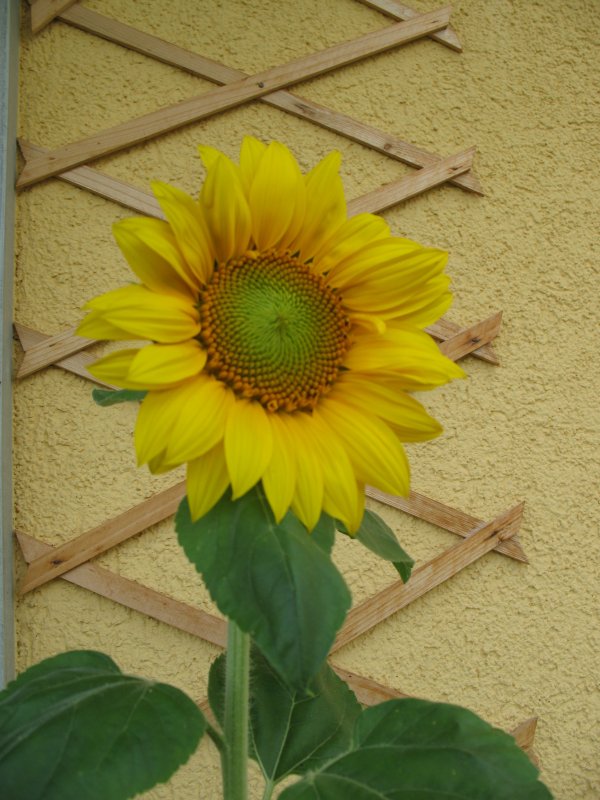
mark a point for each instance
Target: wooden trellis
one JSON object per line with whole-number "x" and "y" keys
{"x": 71, "y": 561}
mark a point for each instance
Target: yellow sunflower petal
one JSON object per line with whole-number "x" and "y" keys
{"x": 251, "y": 154}
{"x": 185, "y": 217}
{"x": 355, "y": 234}
{"x": 201, "y": 419}
{"x": 248, "y": 445}
{"x": 410, "y": 420}
{"x": 389, "y": 266}
{"x": 114, "y": 367}
{"x": 277, "y": 198}
{"x": 151, "y": 252}
{"x": 226, "y": 209}
{"x": 279, "y": 478}
{"x": 208, "y": 155}
{"x": 94, "y": 326}
{"x": 157, "y": 415}
{"x": 325, "y": 206}
{"x": 207, "y": 479}
{"x": 308, "y": 495}
{"x": 341, "y": 496}
{"x": 376, "y": 453}
{"x": 162, "y": 365}
{"x": 144, "y": 314}
{"x": 410, "y": 355}
{"x": 419, "y": 307}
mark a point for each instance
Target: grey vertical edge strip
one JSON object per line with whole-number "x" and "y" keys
{"x": 9, "y": 65}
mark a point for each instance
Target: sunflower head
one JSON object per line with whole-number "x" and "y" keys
{"x": 283, "y": 337}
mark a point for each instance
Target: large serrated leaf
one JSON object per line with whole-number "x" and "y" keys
{"x": 73, "y": 727}
{"x": 273, "y": 580}
{"x": 291, "y": 732}
{"x": 409, "y": 749}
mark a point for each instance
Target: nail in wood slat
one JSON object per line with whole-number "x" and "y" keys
{"x": 114, "y": 31}
{"x": 467, "y": 340}
{"x": 398, "y": 595}
{"x": 226, "y": 97}
{"x": 412, "y": 185}
{"x": 446, "y": 517}
{"x": 44, "y": 11}
{"x": 134, "y": 595}
{"x": 445, "y": 329}
{"x": 110, "y": 533}
{"x": 397, "y": 10}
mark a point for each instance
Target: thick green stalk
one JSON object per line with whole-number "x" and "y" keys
{"x": 235, "y": 727}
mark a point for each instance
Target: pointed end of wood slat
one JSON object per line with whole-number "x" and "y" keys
{"x": 451, "y": 39}
{"x": 19, "y": 332}
{"x": 524, "y": 733}
{"x": 25, "y": 544}
{"x": 27, "y": 150}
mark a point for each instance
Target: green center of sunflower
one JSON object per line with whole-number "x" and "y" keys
{"x": 273, "y": 330}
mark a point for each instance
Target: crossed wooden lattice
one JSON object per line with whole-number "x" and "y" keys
{"x": 71, "y": 560}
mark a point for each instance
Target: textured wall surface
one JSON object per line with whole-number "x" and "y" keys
{"x": 505, "y": 639}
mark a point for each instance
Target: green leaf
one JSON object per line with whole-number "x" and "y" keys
{"x": 324, "y": 533}
{"x": 110, "y": 397}
{"x": 273, "y": 580}
{"x": 73, "y": 727}
{"x": 381, "y": 540}
{"x": 408, "y": 749}
{"x": 291, "y": 732}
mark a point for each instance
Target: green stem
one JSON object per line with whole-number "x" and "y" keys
{"x": 269, "y": 786}
{"x": 235, "y": 727}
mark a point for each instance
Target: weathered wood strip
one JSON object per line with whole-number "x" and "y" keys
{"x": 399, "y": 11}
{"x": 119, "y": 33}
{"x": 200, "y": 107}
{"x": 469, "y": 339}
{"x": 445, "y": 329}
{"x": 90, "y": 544}
{"x": 439, "y": 569}
{"x": 52, "y": 350}
{"x": 446, "y": 517}
{"x": 412, "y": 185}
{"x": 101, "y": 184}
{"x": 44, "y": 11}
{"x": 134, "y": 595}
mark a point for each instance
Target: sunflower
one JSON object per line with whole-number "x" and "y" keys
{"x": 284, "y": 337}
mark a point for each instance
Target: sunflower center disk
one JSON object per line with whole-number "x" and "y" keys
{"x": 273, "y": 331}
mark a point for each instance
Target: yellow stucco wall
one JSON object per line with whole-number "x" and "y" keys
{"x": 505, "y": 639}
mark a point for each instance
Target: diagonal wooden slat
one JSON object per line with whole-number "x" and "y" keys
{"x": 134, "y": 595}
{"x": 44, "y": 11}
{"x": 412, "y": 185}
{"x": 90, "y": 21}
{"x": 51, "y": 350}
{"x": 98, "y": 540}
{"x": 464, "y": 341}
{"x": 200, "y": 107}
{"x": 110, "y": 533}
{"x": 203, "y": 625}
{"x": 373, "y": 202}
{"x": 446, "y": 517}
{"x": 77, "y": 363}
{"x": 398, "y": 595}
{"x": 399, "y": 11}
